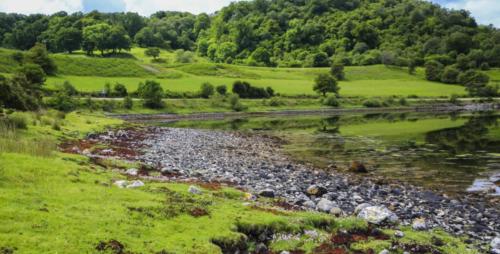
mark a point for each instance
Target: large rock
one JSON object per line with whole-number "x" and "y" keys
{"x": 325, "y": 205}
{"x": 378, "y": 215}
{"x": 132, "y": 172}
{"x": 121, "y": 183}
{"x": 316, "y": 190}
{"x": 360, "y": 207}
{"x": 495, "y": 245}
{"x": 336, "y": 211}
{"x": 267, "y": 193}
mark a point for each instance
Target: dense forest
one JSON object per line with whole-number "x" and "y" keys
{"x": 293, "y": 33}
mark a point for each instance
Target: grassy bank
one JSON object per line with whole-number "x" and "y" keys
{"x": 63, "y": 203}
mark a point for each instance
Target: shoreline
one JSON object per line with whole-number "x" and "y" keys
{"x": 169, "y": 117}
{"x": 257, "y": 164}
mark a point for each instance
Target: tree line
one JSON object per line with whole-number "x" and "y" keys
{"x": 300, "y": 33}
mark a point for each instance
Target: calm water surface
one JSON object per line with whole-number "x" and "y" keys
{"x": 441, "y": 151}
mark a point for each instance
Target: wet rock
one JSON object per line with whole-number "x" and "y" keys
{"x": 495, "y": 245}
{"x": 267, "y": 193}
{"x": 419, "y": 224}
{"x": 378, "y": 215}
{"x": 132, "y": 172}
{"x": 357, "y": 167}
{"x": 194, "y": 190}
{"x": 121, "y": 183}
{"x": 315, "y": 190}
{"x": 325, "y": 205}
{"x": 135, "y": 184}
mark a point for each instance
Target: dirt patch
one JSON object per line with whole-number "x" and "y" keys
{"x": 112, "y": 246}
{"x": 198, "y": 212}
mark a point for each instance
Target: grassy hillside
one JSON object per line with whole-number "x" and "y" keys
{"x": 91, "y": 73}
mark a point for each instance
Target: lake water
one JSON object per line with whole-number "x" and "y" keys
{"x": 450, "y": 152}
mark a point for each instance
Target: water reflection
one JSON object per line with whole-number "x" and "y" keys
{"x": 445, "y": 151}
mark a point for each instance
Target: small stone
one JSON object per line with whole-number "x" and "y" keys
{"x": 285, "y": 252}
{"x": 419, "y": 224}
{"x": 325, "y": 205}
{"x": 399, "y": 234}
{"x": 315, "y": 190}
{"x": 336, "y": 211}
{"x": 194, "y": 190}
{"x": 384, "y": 252}
{"x": 132, "y": 171}
{"x": 135, "y": 184}
{"x": 267, "y": 193}
{"x": 121, "y": 183}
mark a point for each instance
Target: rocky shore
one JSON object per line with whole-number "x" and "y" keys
{"x": 257, "y": 164}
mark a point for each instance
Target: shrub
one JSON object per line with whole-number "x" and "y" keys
{"x": 337, "y": 70}
{"x": 372, "y": 103}
{"x": 276, "y": 102}
{"x": 454, "y": 99}
{"x": 433, "y": 70}
{"x": 236, "y": 105}
{"x": 331, "y": 101}
{"x": 182, "y": 56}
{"x": 119, "y": 90}
{"x": 222, "y": 89}
{"x": 68, "y": 89}
{"x": 152, "y": 52}
{"x": 108, "y": 105}
{"x": 14, "y": 121}
{"x": 206, "y": 90}
{"x": 152, "y": 93}
{"x": 403, "y": 102}
{"x": 245, "y": 90}
{"x": 450, "y": 75}
{"x": 63, "y": 102}
{"x": 128, "y": 103}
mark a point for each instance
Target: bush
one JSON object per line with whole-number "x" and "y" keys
{"x": 454, "y": 99}
{"x": 234, "y": 101}
{"x": 331, "y": 101}
{"x": 152, "y": 93}
{"x": 108, "y": 105}
{"x": 245, "y": 90}
{"x": 433, "y": 70}
{"x": 206, "y": 90}
{"x": 276, "y": 102}
{"x": 337, "y": 70}
{"x": 450, "y": 75}
{"x": 222, "y": 89}
{"x": 128, "y": 103}
{"x": 63, "y": 102}
{"x": 68, "y": 89}
{"x": 325, "y": 83}
{"x": 372, "y": 103}
{"x": 182, "y": 56}
{"x": 403, "y": 102}
{"x": 119, "y": 90}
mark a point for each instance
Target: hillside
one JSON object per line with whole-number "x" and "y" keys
{"x": 92, "y": 73}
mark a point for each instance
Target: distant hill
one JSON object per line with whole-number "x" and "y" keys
{"x": 291, "y": 33}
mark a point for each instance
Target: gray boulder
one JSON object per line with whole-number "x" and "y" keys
{"x": 325, "y": 205}
{"x": 360, "y": 207}
{"x": 336, "y": 211}
{"x": 132, "y": 172}
{"x": 419, "y": 224}
{"x": 135, "y": 184}
{"x": 378, "y": 215}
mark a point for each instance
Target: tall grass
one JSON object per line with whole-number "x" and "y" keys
{"x": 12, "y": 142}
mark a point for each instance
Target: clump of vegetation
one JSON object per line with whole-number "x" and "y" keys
{"x": 372, "y": 103}
{"x": 152, "y": 94}
{"x": 337, "y": 70}
{"x": 222, "y": 90}
{"x": 206, "y": 90}
{"x": 128, "y": 103}
{"x": 331, "y": 101}
{"x": 245, "y": 90}
{"x": 153, "y": 52}
{"x": 235, "y": 103}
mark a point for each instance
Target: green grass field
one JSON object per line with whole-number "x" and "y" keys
{"x": 91, "y": 73}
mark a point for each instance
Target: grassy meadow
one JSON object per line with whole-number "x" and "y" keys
{"x": 91, "y": 73}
